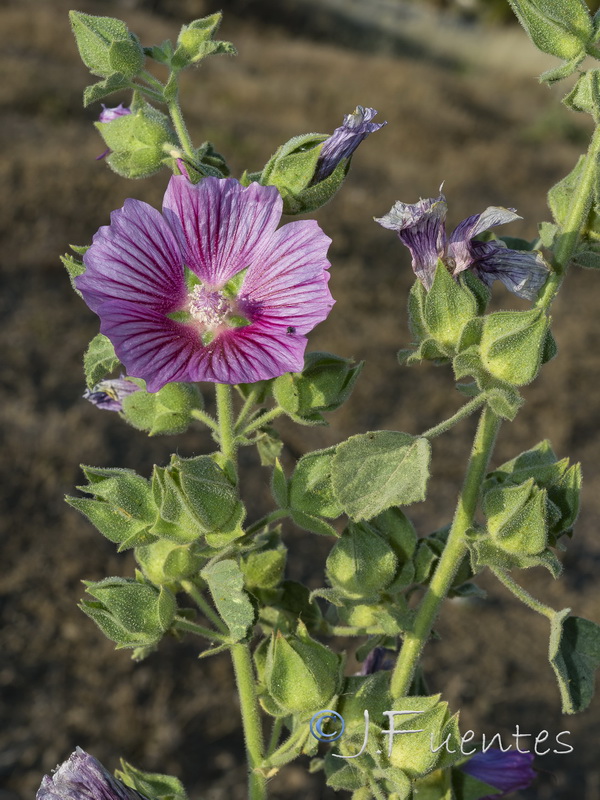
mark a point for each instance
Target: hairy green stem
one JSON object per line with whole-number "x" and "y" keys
{"x": 523, "y": 595}
{"x": 149, "y": 78}
{"x": 246, "y": 408}
{"x": 570, "y": 235}
{"x": 225, "y": 415}
{"x": 376, "y": 789}
{"x": 200, "y": 630}
{"x": 202, "y": 416}
{"x": 244, "y": 675}
{"x": 268, "y": 416}
{"x": 194, "y": 592}
{"x": 260, "y": 523}
{"x": 156, "y": 96}
{"x": 181, "y": 129}
{"x": 454, "y": 552}
{"x": 275, "y": 735}
{"x": 462, "y": 412}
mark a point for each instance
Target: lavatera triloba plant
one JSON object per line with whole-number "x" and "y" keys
{"x": 215, "y": 290}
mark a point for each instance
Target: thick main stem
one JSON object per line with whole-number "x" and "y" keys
{"x": 244, "y": 675}
{"x": 225, "y": 416}
{"x": 240, "y": 652}
{"x": 454, "y": 552}
{"x": 570, "y": 235}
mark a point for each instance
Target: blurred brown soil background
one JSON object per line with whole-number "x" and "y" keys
{"x": 462, "y": 106}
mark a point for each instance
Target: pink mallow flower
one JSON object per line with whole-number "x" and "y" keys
{"x": 211, "y": 289}
{"x": 504, "y": 770}
{"x": 82, "y": 777}
{"x": 422, "y": 228}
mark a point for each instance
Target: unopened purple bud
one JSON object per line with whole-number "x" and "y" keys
{"x": 82, "y": 777}
{"x": 108, "y": 114}
{"x": 506, "y": 771}
{"x": 344, "y": 141}
{"x": 109, "y": 394}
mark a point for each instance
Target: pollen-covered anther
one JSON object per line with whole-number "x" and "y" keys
{"x": 208, "y": 307}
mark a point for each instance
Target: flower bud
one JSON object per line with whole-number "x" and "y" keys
{"x": 167, "y": 411}
{"x": 562, "y": 29}
{"x": 361, "y": 563}
{"x": 324, "y": 384}
{"x": 131, "y": 613}
{"x": 301, "y": 674}
{"x": 196, "y": 497}
{"x": 123, "y": 507}
{"x": 263, "y": 569}
{"x": 166, "y": 562}
{"x": 136, "y": 140}
{"x": 516, "y": 517}
{"x": 512, "y": 344}
{"x": 105, "y": 45}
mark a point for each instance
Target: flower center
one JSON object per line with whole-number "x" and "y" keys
{"x": 209, "y": 308}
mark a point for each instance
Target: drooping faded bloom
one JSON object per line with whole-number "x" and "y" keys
{"x": 379, "y": 658}
{"x": 209, "y": 290}
{"x": 82, "y": 777}
{"x": 421, "y": 227}
{"x": 506, "y": 771}
{"x": 109, "y": 114}
{"x": 109, "y": 394}
{"x": 344, "y": 140}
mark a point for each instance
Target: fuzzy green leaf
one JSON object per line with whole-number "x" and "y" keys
{"x": 374, "y": 471}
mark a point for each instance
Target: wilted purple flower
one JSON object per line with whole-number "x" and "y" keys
{"x": 82, "y": 777}
{"x": 241, "y": 311}
{"x": 379, "y": 658}
{"x": 344, "y": 141}
{"x": 507, "y": 771}
{"x": 421, "y": 227}
{"x": 109, "y": 394}
{"x": 108, "y": 114}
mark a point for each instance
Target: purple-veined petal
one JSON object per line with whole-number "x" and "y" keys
{"x": 160, "y": 350}
{"x": 508, "y": 771}
{"x": 344, "y": 140}
{"x": 249, "y": 354}
{"x": 149, "y": 344}
{"x": 460, "y": 238}
{"x": 522, "y": 272}
{"x": 135, "y": 258}
{"x": 222, "y": 226}
{"x": 82, "y": 777}
{"x": 288, "y": 288}
{"x": 421, "y": 227}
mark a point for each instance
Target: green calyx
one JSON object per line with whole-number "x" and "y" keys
{"x": 325, "y": 383}
{"x": 130, "y": 612}
{"x": 196, "y": 498}
{"x": 292, "y": 169}
{"x": 137, "y": 140}
{"x": 301, "y": 675}
{"x": 105, "y": 45}
{"x": 168, "y": 411}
